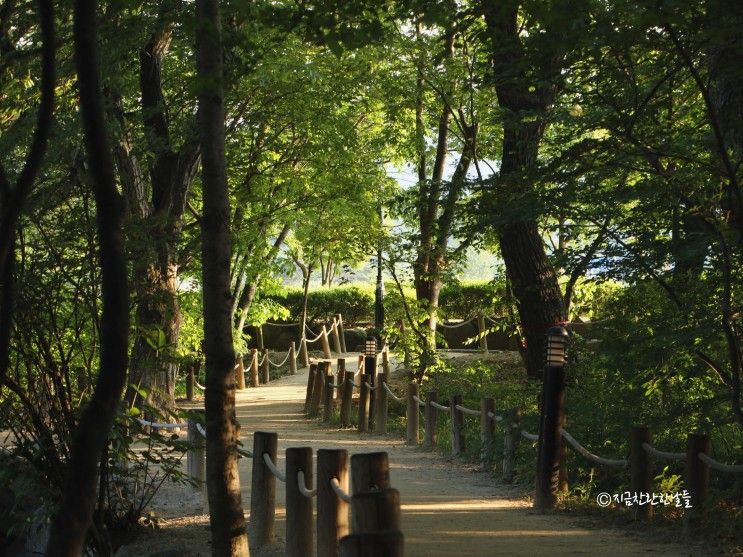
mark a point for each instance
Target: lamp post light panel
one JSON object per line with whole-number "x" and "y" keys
{"x": 557, "y": 339}
{"x": 371, "y": 347}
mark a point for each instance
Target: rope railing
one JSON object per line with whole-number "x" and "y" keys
{"x": 202, "y": 431}
{"x": 199, "y": 385}
{"x": 272, "y": 467}
{"x": 719, "y": 466}
{"x": 369, "y": 386}
{"x": 158, "y": 425}
{"x": 529, "y": 436}
{"x": 466, "y": 410}
{"x": 282, "y": 362}
{"x": 495, "y": 417}
{"x": 440, "y": 406}
{"x": 662, "y": 454}
{"x": 310, "y": 341}
{"x": 616, "y": 463}
{"x": 419, "y": 401}
{"x": 302, "y": 484}
{"x": 458, "y": 325}
{"x": 389, "y": 392}
{"x": 282, "y": 324}
{"x": 339, "y": 491}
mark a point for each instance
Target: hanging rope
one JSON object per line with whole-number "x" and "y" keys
{"x": 389, "y": 392}
{"x": 619, "y": 463}
{"x": 272, "y": 467}
{"x": 662, "y": 454}
{"x": 199, "y": 385}
{"x": 495, "y": 417}
{"x": 318, "y": 337}
{"x": 529, "y": 436}
{"x": 282, "y": 362}
{"x": 202, "y": 431}
{"x": 419, "y": 401}
{"x": 368, "y": 386}
{"x": 157, "y": 425}
{"x": 440, "y": 407}
{"x": 309, "y": 493}
{"x": 719, "y": 466}
{"x": 467, "y": 410}
{"x": 282, "y": 324}
{"x": 342, "y": 495}
{"x": 458, "y": 325}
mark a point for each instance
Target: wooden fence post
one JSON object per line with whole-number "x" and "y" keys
{"x": 363, "y": 424}
{"x": 375, "y": 511}
{"x": 641, "y": 471}
{"x": 196, "y": 456}
{"x": 265, "y": 368}
{"x": 412, "y": 415}
{"x": 342, "y": 333}
{"x": 263, "y": 490}
{"x": 370, "y": 472}
{"x": 325, "y": 343}
{"x": 511, "y": 437}
{"x": 550, "y": 438}
{"x": 328, "y": 397}
{"x": 303, "y": 354}
{"x": 457, "y": 426}
{"x": 240, "y": 372}
{"x": 346, "y": 399}
{"x": 292, "y": 359}
{"x": 696, "y": 477}
{"x": 374, "y": 544}
{"x": 254, "y": 367}
{"x": 386, "y": 360}
{"x": 431, "y": 421}
{"x": 487, "y": 432}
{"x": 483, "y": 336}
{"x": 332, "y": 512}
{"x": 381, "y": 401}
{"x": 318, "y": 387}
{"x": 310, "y": 387}
{"x": 299, "y": 531}
{"x": 340, "y": 374}
{"x": 336, "y": 337}
{"x": 190, "y": 381}
{"x": 259, "y": 339}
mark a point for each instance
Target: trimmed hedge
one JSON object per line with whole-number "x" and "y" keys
{"x": 356, "y": 303}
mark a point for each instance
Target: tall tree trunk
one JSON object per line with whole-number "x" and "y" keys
{"x": 75, "y": 513}
{"x": 226, "y": 516}
{"x": 524, "y": 106}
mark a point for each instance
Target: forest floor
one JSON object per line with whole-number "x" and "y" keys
{"x": 449, "y": 508}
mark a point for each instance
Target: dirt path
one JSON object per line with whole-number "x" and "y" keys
{"x": 448, "y": 508}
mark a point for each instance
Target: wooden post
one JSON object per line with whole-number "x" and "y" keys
{"x": 457, "y": 426}
{"x": 340, "y": 376}
{"x": 325, "y": 343}
{"x": 481, "y": 331}
{"x": 641, "y": 471}
{"x": 190, "y": 381}
{"x": 511, "y": 438}
{"x": 332, "y": 512}
{"x": 370, "y": 472}
{"x": 254, "y": 367}
{"x": 299, "y": 532}
{"x": 363, "y": 403}
{"x": 487, "y": 432}
{"x": 259, "y": 335}
{"x": 265, "y": 369}
{"x": 380, "y": 414}
{"x": 310, "y": 386}
{"x": 240, "y": 371}
{"x": 292, "y": 359}
{"x": 370, "y": 369}
{"x": 550, "y": 439}
{"x": 361, "y": 362}
{"x": 342, "y": 333}
{"x": 386, "y": 360}
{"x": 388, "y": 544}
{"x": 318, "y": 388}
{"x": 263, "y": 490}
{"x": 303, "y": 354}
{"x": 196, "y": 456}
{"x": 336, "y": 337}
{"x": 327, "y": 404}
{"x": 375, "y": 511}
{"x": 696, "y": 477}
{"x": 412, "y": 415}
{"x": 346, "y": 399}
{"x": 431, "y": 421}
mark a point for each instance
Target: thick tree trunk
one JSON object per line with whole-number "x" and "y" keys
{"x": 75, "y": 513}
{"x": 226, "y": 516}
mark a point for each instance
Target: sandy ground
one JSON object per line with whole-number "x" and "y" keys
{"x": 448, "y": 508}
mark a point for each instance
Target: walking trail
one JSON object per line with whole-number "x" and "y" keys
{"x": 449, "y": 509}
